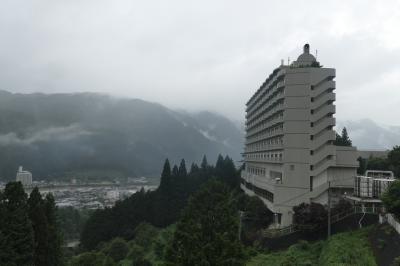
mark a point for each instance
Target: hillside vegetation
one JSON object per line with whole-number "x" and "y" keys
{"x": 345, "y": 249}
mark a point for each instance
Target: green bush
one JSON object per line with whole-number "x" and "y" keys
{"x": 118, "y": 249}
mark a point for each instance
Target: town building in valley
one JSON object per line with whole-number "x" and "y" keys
{"x": 23, "y": 176}
{"x": 290, "y": 156}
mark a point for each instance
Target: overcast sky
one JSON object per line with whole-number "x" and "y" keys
{"x": 199, "y": 55}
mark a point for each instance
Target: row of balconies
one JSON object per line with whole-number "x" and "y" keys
{"x": 265, "y": 128}
{"x": 267, "y": 120}
{"x": 266, "y": 100}
{"x": 322, "y": 124}
{"x": 267, "y": 147}
{"x": 324, "y": 98}
{"x": 266, "y": 89}
{"x": 275, "y": 159}
{"x": 251, "y": 123}
{"x": 264, "y": 136}
{"x": 322, "y": 87}
{"x": 267, "y": 108}
{"x": 322, "y": 112}
{"x": 321, "y": 166}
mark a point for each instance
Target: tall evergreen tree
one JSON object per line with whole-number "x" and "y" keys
{"x": 54, "y": 235}
{"x": 182, "y": 172}
{"x": 345, "y": 138}
{"x": 40, "y": 226}
{"x": 17, "y": 228}
{"x": 175, "y": 171}
{"x": 232, "y": 176}
{"x": 165, "y": 175}
{"x": 219, "y": 165}
{"x": 194, "y": 168}
{"x": 204, "y": 163}
{"x": 4, "y": 251}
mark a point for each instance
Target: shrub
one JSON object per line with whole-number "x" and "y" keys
{"x": 310, "y": 216}
{"x": 118, "y": 249}
{"x": 391, "y": 199}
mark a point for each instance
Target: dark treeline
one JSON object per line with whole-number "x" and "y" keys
{"x": 71, "y": 222}
{"x": 391, "y": 162}
{"x": 161, "y": 207}
{"x": 29, "y": 234}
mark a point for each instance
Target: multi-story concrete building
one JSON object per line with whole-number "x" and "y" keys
{"x": 25, "y": 177}
{"x": 290, "y": 156}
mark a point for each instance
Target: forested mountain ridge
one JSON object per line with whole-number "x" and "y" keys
{"x": 58, "y": 135}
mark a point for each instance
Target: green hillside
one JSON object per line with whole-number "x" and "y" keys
{"x": 345, "y": 249}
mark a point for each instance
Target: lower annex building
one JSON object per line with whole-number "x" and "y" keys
{"x": 290, "y": 156}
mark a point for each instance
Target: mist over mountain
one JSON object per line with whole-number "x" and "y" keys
{"x": 58, "y": 135}
{"x": 369, "y": 135}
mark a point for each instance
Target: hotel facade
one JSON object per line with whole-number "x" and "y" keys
{"x": 290, "y": 156}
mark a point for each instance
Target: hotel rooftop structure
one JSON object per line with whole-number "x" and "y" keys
{"x": 290, "y": 156}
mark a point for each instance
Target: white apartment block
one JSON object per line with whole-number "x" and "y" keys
{"x": 25, "y": 177}
{"x": 290, "y": 156}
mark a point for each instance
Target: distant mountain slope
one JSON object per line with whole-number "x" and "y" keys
{"x": 52, "y": 135}
{"x": 367, "y": 134}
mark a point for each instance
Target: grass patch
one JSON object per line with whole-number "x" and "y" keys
{"x": 301, "y": 254}
{"x": 351, "y": 248}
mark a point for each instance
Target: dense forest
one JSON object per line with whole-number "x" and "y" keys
{"x": 29, "y": 231}
{"x": 161, "y": 207}
{"x": 153, "y": 226}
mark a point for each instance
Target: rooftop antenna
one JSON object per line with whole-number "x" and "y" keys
{"x": 282, "y": 62}
{"x": 316, "y": 54}
{"x": 288, "y": 60}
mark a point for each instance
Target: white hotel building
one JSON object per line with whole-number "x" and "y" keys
{"x": 290, "y": 156}
{"x": 23, "y": 176}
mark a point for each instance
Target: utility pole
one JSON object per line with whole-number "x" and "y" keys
{"x": 329, "y": 209}
{"x": 240, "y": 225}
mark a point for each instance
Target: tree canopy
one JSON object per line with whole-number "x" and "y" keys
{"x": 344, "y": 139}
{"x": 206, "y": 233}
{"x": 310, "y": 216}
{"x": 29, "y": 232}
{"x": 161, "y": 207}
{"x": 391, "y": 198}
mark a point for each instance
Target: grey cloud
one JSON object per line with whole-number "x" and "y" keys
{"x": 49, "y": 134}
{"x": 196, "y": 54}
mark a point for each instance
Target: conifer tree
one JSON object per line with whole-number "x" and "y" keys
{"x": 4, "y": 250}
{"x": 40, "y": 226}
{"x": 204, "y": 163}
{"x": 54, "y": 235}
{"x": 194, "y": 168}
{"x": 219, "y": 165}
{"x": 165, "y": 175}
{"x": 175, "y": 171}
{"x": 182, "y": 172}
{"x": 17, "y": 228}
{"x": 345, "y": 138}
{"x": 232, "y": 175}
